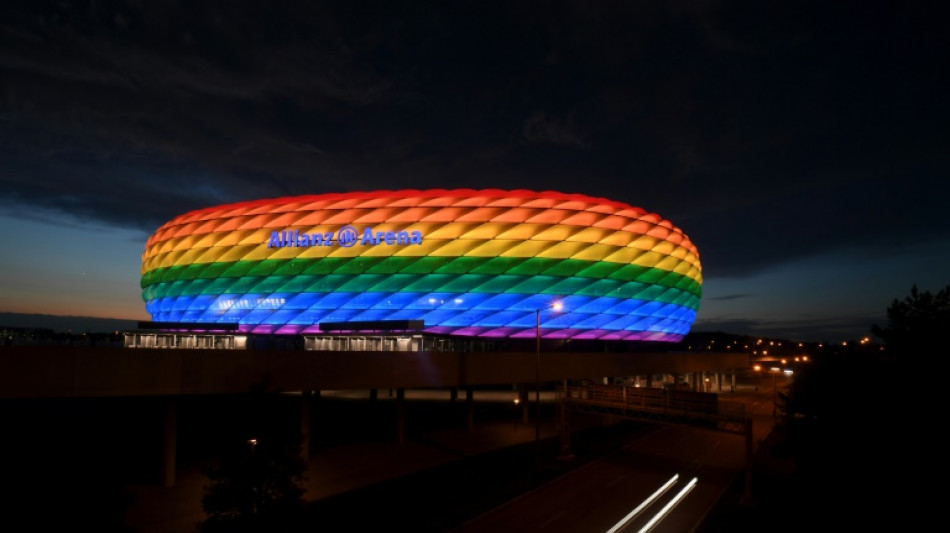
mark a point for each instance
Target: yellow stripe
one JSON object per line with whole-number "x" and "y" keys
{"x": 595, "y": 252}
{"x": 444, "y": 240}
{"x": 563, "y": 250}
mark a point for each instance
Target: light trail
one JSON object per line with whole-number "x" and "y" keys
{"x": 644, "y": 504}
{"x": 669, "y": 505}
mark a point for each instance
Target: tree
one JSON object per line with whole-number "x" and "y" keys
{"x": 257, "y": 490}
{"x": 849, "y": 417}
{"x": 916, "y": 324}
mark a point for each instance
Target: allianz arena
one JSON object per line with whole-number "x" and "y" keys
{"x": 478, "y": 263}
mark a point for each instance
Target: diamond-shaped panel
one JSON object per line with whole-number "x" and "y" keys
{"x": 468, "y": 262}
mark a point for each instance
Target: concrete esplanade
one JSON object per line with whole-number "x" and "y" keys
{"x": 59, "y": 371}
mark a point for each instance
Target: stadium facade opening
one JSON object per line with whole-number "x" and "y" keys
{"x": 481, "y": 263}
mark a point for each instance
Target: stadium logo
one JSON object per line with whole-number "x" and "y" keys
{"x": 346, "y": 237}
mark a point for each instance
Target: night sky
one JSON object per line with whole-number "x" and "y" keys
{"x": 803, "y": 146}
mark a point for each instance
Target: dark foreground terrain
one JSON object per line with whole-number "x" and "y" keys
{"x": 70, "y": 462}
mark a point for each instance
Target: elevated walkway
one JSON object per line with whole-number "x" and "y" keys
{"x": 662, "y": 405}
{"x": 672, "y": 406}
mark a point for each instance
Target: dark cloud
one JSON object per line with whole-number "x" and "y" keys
{"x": 764, "y": 131}
{"x": 727, "y": 297}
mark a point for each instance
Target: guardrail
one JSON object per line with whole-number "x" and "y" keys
{"x": 655, "y": 404}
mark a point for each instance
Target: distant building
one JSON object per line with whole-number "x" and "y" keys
{"x": 473, "y": 263}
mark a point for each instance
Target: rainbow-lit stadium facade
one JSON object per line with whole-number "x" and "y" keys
{"x": 465, "y": 262}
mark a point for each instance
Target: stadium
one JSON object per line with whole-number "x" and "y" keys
{"x": 463, "y": 263}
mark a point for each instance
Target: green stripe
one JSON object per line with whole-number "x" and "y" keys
{"x": 460, "y": 272}
{"x": 367, "y": 283}
{"x": 335, "y": 283}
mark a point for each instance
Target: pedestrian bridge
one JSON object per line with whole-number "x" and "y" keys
{"x": 663, "y": 405}
{"x": 660, "y": 405}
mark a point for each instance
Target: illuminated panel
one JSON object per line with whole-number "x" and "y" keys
{"x": 466, "y": 262}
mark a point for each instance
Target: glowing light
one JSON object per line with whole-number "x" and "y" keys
{"x": 485, "y": 261}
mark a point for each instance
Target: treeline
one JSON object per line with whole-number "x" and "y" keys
{"x": 862, "y": 426}
{"x": 16, "y": 336}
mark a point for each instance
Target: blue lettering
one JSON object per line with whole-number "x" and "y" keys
{"x": 367, "y": 237}
{"x": 294, "y": 238}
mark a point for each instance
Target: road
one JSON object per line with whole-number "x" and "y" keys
{"x": 615, "y": 468}
{"x": 444, "y": 479}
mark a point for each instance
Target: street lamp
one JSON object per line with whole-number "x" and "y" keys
{"x": 537, "y": 376}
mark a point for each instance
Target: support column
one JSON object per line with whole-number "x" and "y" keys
{"x": 169, "y": 440}
{"x": 400, "y": 415}
{"x": 523, "y": 395}
{"x": 306, "y": 401}
{"x": 732, "y": 386}
{"x": 470, "y": 403}
{"x": 565, "y": 453}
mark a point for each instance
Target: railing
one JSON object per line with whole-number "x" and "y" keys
{"x": 681, "y": 406}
